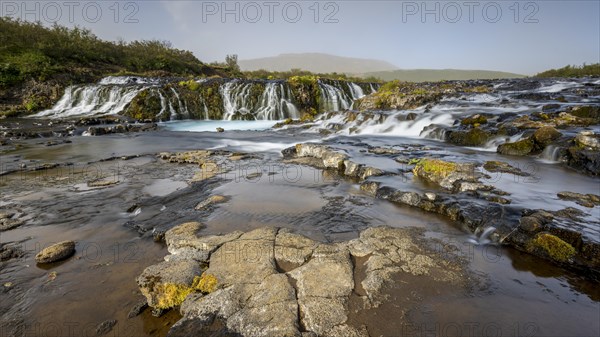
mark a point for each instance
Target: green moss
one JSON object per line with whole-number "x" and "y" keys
{"x": 474, "y": 120}
{"x": 556, "y": 248}
{"x": 481, "y": 89}
{"x": 473, "y": 137}
{"x": 419, "y": 91}
{"x": 390, "y": 86}
{"x": 519, "y": 148}
{"x": 31, "y": 104}
{"x": 434, "y": 169}
{"x": 190, "y": 85}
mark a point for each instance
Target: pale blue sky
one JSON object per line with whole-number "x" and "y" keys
{"x": 566, "y": 32}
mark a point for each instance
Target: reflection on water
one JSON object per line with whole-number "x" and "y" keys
{"x": 517, "y": 292}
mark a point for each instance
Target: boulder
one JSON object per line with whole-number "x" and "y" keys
{"x": 167, "y": 284}
{"x": 545, "y": 135}
{"x": 56, "y": 252}
{"x": 519, "y": 148}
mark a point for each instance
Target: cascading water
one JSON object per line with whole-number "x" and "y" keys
{"x": 333, "y": 98}
{"x": 241, "y": 99}
{"x": 551, "y": 154}
{"x": 97, "y": 99}
{"x": 235, "y": 99}
{"x": 276, "y": 103}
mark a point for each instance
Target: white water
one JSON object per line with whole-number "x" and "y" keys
{"x": 212, "y": 125}
{"x": 235, "y": 98}
{"x": 89, "y": 100}
{"x": 113, "y": 94}
{"x": 550, "y": 154}
{"x": 276, "y": 103}
{"x": 558, "y": 87}
{"x": 492, "y": 144}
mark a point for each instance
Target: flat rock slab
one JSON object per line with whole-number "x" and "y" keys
{"x": 251, "y": 295}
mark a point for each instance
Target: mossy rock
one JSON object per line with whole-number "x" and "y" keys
{"x": 545, "y": 135}
{"x": 520, "y": 148}
{"x": 434, "y": 169}
{"x": 553, "y": 246}
{"x": 476, "y": 119}
{"x": 472, "y": 137}
{"x": 592, "y": 112}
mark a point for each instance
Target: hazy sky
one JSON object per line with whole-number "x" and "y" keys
{"x": 469, "y": 34}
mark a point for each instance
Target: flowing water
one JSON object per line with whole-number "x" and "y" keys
{"x": 517, "y": 294}
{"x": 241, "y": 99}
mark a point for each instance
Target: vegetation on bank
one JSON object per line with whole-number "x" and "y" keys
{"x": 31, "y": 51}
{"x": 573, "y": 71}
{"x": 284, "y": 75}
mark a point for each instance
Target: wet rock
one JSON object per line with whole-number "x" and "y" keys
{"x": 167, "y": 284}
{"x": 6, "y": 215}
{"x": 255, "y": 297}
{"x": 183, "y": 242}
{"x": 545, "y": 135}
{"x": 474, "y": 120}
{"x": 587, "y": 200}
{"x": 472, "y": 137}
{"x": 445, "y": 173}
{"x": 292, "y": 250}
{"x": 56, "y": 252}
{"x": 212, "y": 200}
{"x": 10, "y": 251}
{"x": 552, "y": 246}
{"x": 8, "y": 223}
{"x": 189, "y": 157}
{"x": 138, "y": 308}
{"x": 384, "y": 151}
{"x": 229, "y": 263}
{"x": 105, "y": 327}
{"x": 584, "y": 159}
{"x": 503, "y": 167}
{"x": 519, "y": 148}
{"x": 330, "y": 158}
{"x": 531, "y": 224}
{"x": 591, "y": 112}
{"x": 220, "y": 130}
{"x": 103, "y": 182}
{"x": 271, "y": 310}
{"x": 550, "y": 107}
{"x": 588, "y": 139}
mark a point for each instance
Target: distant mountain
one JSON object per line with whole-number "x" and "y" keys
{"x": 423, "y": 75}
{"x": 317, "y": 63}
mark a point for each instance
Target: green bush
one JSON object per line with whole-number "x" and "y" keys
{"x": 572, "y": 71}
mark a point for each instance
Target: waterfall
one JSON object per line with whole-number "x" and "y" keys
{"x": 241, "y": 99}
{"x": 276, "y": 103}
{"x": 236, "y": 96}
{"x": 355, "y": 90}
{"x": 333, "y": 98}
{"x": 92, "y": 100}
{"x": 183, "y": 109}
{"x": 551, "y": 154}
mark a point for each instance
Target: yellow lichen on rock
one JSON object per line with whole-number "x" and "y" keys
{"x": 554, "y": 246}
{"x": 207, "y": 283}
{"x": 171, "y": 295}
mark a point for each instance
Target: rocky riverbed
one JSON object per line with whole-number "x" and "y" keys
{"x": 479, "y": 195}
